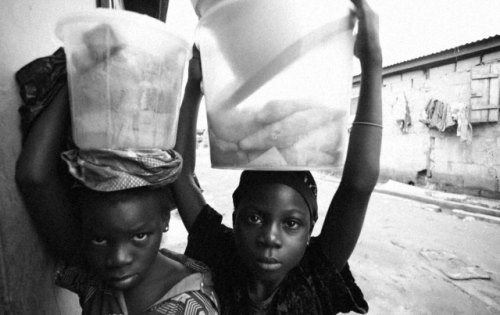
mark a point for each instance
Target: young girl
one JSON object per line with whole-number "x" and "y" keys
{"x": 108, "y": 241}
{"x": 269, "y": 263}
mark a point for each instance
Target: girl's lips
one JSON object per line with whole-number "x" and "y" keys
{"x": 268, "y": 263}
{"x": 268, "y": 260}
{"x": 119, "y": 282}
{"x": 269, "y": 267}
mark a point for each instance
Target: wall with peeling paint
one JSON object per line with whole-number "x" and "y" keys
{"x": 26, "y": 285}
{"x": 449, "y": 163}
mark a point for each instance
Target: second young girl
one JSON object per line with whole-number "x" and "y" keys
{"x": 269, "y": 263}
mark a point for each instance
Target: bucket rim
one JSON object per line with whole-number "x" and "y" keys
{"x": 349, "y": 5}
{"x": 98, "y": 14}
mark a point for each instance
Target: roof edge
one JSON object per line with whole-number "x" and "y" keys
{"x": 443, "y": 57}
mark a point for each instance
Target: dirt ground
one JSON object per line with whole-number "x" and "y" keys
{"x": 409, "y": 260}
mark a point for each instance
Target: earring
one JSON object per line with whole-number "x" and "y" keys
{"x": 165, "y": 229}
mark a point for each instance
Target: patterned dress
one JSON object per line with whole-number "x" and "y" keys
{"x": 314, "y": 286}
{"x": 193, "y": 295}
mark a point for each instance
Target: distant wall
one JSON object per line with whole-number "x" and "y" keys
{"x": 441, "y": 157}
{"x": 25, "y": 269}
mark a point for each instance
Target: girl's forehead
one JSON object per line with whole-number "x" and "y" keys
{"x": 127, "y": 213}
{"x": 274, "y": 197}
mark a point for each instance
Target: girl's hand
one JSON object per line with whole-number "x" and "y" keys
{"x": 367, "y": 45}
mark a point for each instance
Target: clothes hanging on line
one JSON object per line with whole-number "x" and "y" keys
{"x": 441, "y": 115}
{"x": 438, "y": 115}
{"x": 464, "y": 128}
{"x": 403, "y": 116}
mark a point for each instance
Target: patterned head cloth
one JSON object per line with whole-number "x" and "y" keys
{"x": 302, "y": 181}
{"x": 112, "y": 170}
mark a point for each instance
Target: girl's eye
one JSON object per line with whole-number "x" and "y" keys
{"x": 254, "y": 219}
{"x": 291, "y": 224}
{"x": 98, "y": 241}
{"x": 140, "y": 236}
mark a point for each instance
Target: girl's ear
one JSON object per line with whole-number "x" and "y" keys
{"x": 165, "y": 222}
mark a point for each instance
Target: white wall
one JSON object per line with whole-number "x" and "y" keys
{"x": 25, "y": 269}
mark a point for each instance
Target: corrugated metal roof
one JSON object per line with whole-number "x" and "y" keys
{"x": 452, "y": 48}
{"x": 458, "y": 51}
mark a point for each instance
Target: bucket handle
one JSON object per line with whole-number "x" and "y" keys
{"x": 297, "y": 49}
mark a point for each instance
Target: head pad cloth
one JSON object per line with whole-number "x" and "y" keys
{"x": 302, "y": 181}
{"x": 112, "y": 170}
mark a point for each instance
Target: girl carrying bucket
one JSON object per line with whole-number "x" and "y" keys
{"x": 269, "y": 263}
{"x": 105, "y": 229}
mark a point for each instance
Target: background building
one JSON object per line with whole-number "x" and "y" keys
{"x": 441, "y": 119}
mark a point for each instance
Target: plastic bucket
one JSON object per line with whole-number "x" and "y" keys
{"x": 125, "y": 76}
{"x": 277, "y": 77}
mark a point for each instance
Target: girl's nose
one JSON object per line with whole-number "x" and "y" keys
{"x": 119, "y": 255}
{"x": 271, "y": 236}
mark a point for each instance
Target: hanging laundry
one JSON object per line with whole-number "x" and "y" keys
{"x": 446, "y": 117}
{"x": 438, "y": 115}
{"x": 426, "y": 114}
{"x": 464, "y": 128}
{"x": 402, "y": 112}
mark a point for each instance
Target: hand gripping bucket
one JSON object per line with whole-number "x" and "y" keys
{"x": 277, "y": 78}
{"x": 125, "y": 77}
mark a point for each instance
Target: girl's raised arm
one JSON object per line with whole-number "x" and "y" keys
{"x": 347, "y": 210}
{"x": 40, "y": 179}
{"x": 188, "y": 196}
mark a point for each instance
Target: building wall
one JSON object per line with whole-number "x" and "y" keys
{"x": 441, "y": 157}
{"x": 26, "y": 285}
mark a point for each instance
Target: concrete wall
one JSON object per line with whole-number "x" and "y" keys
{"x": 25, "y": 270}
{"x": 455, "y": 165}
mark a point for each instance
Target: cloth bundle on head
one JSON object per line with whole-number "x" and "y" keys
{"x": 302, "y": 181}
{"x": 39, "y": 81}
{"x": 112, "y": 170}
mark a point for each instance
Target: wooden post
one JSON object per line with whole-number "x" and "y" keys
{"x": 163, "y": 10}
{"x": 156, "y": 10}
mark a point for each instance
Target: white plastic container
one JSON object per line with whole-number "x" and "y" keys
{"x": 125, "y": 77}
{"x": 277, "y": 78}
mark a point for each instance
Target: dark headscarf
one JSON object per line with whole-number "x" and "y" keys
{"x": 302, "y": 181}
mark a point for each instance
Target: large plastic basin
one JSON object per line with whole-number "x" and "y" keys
{"x": 125, "y": 76}
{"x": 277, "y": 79}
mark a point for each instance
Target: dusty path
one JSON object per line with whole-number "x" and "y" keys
{"x": 406, "y": 256}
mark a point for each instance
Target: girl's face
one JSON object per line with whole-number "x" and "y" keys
{"x": 121, "y": 239}
{"x": 271, "y": 227}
